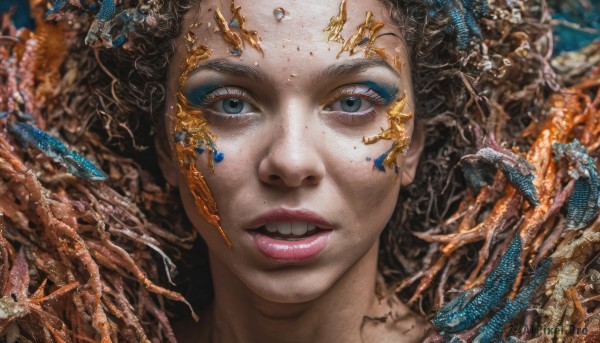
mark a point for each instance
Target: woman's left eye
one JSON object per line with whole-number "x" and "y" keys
{"x": 351, "y": 104}
{"x": 356, "y": 100}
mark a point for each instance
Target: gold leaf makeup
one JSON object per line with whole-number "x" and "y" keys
{"x": 396, "y": 62}
{"x": 396, "y": 132}
{"x": 193, "y": 137}
{"x": 250, "y": 36}
{"x": 235, "y": 39}
{"x": 195, "y": 54}
{"x": 231, "y": 37}
{"x": 336, "y": 25}
{"x": 365, "y": 36}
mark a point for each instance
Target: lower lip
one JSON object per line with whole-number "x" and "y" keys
{"x": 299, "y": 250}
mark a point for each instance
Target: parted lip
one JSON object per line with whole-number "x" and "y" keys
{"x": 289, "y": 215}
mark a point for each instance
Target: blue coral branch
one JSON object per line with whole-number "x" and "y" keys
{"x": 493, "y": 328}
{"x": 53, "y": 148}
{"x": 463, "y": 16}
{"x": 110, "y": 27}
{"x": 107, "y": 10}
{"x": 584, "y": 204}
{"x": 470, "y": 307}
{"x": 60, "y": 5}
{"x": 516, "y": 169}
{"x": 113, "y": 29}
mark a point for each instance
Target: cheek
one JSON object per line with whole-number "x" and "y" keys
{"x": 368, "y": 194}
{"x": 234, "y": 180}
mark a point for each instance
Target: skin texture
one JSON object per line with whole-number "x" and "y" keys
{"x": 295, "y": 149}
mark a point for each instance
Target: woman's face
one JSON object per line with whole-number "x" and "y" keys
{"x": 290, "y": 124}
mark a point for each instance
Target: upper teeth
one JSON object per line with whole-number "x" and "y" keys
{"x": 294, "y": 228}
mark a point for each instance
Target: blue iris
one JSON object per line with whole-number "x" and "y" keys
{"x": 233, "y": 105}
{"x": 351, "y": 104}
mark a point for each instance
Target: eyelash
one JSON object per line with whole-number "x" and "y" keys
{"x": 361, "y": 117}
{"x": 217, "y": 95}
{"x": 363, "y": 92}
{"x": 221, "y": 94}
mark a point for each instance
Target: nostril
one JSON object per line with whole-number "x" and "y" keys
{"x": 274, "y": 177}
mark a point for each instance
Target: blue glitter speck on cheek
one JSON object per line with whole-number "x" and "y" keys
{"x": 218, "y": 156}
{"x": 378, "y": 163}
{"x": 388, "y": 94}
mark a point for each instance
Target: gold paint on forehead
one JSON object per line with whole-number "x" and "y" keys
{"x": 397, "y": 131}
{"x": 336, "y": 25}
{"x": 250, "y": 36}
{"x": 365, "y": 35}
{"x": 231, "y": 37}
{"x": 235, "y": 39}
{"x": 192, "y": 131}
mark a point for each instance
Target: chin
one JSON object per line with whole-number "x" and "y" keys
{"x": 290, "y": 287}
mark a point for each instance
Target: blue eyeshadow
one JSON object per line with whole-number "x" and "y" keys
{"x": 197, "y": 95}
{"x": 387, "y": 93}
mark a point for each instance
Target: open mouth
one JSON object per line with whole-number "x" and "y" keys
{"x": 289, "y": 231}
{"x": 290, "y": 241}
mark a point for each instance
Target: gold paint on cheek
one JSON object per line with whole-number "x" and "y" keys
{"x": 365, "y": 35}
{"x": 235, "y": 39}
{"x": 191, "y": 132}
{"x": 336, "y": 25}
{"x": 397, "y": 131}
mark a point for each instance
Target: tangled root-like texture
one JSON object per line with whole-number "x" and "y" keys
{"x": 445, "y": 239}
{"x": 81, "y": 261}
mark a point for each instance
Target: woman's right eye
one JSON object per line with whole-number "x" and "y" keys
{"x": 226, "y": 101}
{"x": 231, "y": 106}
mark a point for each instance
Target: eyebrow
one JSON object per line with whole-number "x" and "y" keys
{"x": 346, "y": 68}
{"x": 222, "y": 65}
{"x": 354, "y": 66}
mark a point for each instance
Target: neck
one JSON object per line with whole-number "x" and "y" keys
{"x": 239, "y": 315}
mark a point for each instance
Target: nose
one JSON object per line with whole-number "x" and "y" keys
{"x": 292, "y": 158}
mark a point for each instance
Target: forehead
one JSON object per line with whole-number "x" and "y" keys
{"x": 298, "y": 39}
